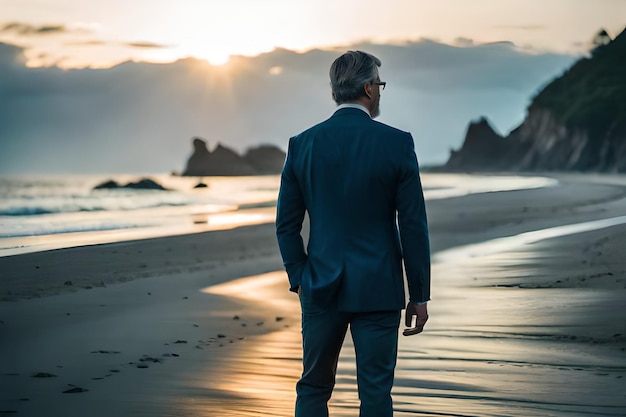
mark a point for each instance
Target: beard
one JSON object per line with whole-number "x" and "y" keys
{"x": 375, "y": 111}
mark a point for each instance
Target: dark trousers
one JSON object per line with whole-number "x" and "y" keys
{"x": 375, "y": 337}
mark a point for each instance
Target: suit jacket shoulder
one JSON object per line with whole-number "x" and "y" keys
{"x": 355, "y": 118}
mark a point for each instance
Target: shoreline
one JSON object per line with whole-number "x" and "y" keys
{"x": 492, "y": 346}
{"x": 247, "y": 214}
{"x": 198, "y": 223}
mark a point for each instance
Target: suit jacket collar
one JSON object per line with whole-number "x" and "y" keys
{"x": 350, "y": 111}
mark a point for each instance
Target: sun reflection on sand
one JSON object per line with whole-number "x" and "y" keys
{"x": 263, "y": 289}
{"x": 488, "y": 350}
{"x": 259, "y": 377}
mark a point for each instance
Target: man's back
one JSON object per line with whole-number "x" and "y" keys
{"x": 354, "y": 174}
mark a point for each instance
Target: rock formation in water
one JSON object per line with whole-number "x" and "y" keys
{"x": 142, "y": 184}
{"x": 264, "y": 159}
{"x": 576, "y": 123}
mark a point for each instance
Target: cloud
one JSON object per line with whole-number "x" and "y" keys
{"x": 100, "y": 42}
{"x": 28, "y": 29}
{"x": 144, "y": 45}
{"x": 140, "y": 117}
{"x": 521, "y": 27}
{"x": 93, "y": 42}
{"x": 276, "y": 70}
{"x": 461, "y": 41}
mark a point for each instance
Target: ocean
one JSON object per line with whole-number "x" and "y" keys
{"x": 53, "y": 211}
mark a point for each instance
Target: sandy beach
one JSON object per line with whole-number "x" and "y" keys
{"x": 527, "y": 318}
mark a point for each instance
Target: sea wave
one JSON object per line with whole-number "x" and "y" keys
{"x": 34, "y": 210}
{"x": 70, "y": 229}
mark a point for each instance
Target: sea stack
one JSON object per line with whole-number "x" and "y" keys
{"x": 223, "y": 161}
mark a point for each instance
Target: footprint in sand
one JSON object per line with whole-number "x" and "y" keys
{"x": 43, "y": 375}
{"x": 74, "y": 390}
{"x": 146, "y": 358}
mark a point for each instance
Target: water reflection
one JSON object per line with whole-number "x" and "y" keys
{"x": 441, "y": 186}
{"x": 489, "y": 349}
{"x": 460, "y": 254}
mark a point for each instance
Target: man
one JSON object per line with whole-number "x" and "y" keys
{"x": 353, "y": 176}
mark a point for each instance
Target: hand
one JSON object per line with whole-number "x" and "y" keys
{"x": 415, "y": 310}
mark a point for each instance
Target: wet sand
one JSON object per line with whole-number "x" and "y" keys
{"x": 517, "y": 328}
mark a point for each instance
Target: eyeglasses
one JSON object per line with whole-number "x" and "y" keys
{"x": 382, "y": 84}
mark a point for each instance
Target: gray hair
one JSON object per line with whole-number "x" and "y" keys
{"x": 350, "y": 72}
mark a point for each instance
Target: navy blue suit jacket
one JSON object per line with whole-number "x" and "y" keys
{"x": 354, "y": 176}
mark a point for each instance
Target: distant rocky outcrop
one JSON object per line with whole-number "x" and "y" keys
{"x": 222, "y": 161}
{"x": 483, "y": 147}
{"x": 576, "y": 123}
{"x": 142, "y": 184}
{"x": 266, "y": 159}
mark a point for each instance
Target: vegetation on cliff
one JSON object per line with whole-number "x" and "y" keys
{"x": 592, "y": 93}
{"x": 576, "y": 123}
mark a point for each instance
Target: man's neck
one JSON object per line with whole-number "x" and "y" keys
{"x": 354, "y": 106}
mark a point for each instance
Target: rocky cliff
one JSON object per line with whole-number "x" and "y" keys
{"x": 222, "y": 161}
{"x": 576, "y": 123}
{"x": 483, "y": 147}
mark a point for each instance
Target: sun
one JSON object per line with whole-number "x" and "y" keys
{"x": 215, "y": 54}
{"x": 215, "y": 58}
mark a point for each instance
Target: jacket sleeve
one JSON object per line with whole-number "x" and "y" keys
{"x": 289, "y": 217}
{"x": 413, "y": 225}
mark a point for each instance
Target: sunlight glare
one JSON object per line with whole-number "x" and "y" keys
{"x": 215, "y": 58}
{"x": 216, "y": 55}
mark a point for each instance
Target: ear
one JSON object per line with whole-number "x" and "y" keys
{"x": 368, "y": 90}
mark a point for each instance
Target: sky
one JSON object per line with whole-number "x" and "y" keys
{"x": 130, "y": 82}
